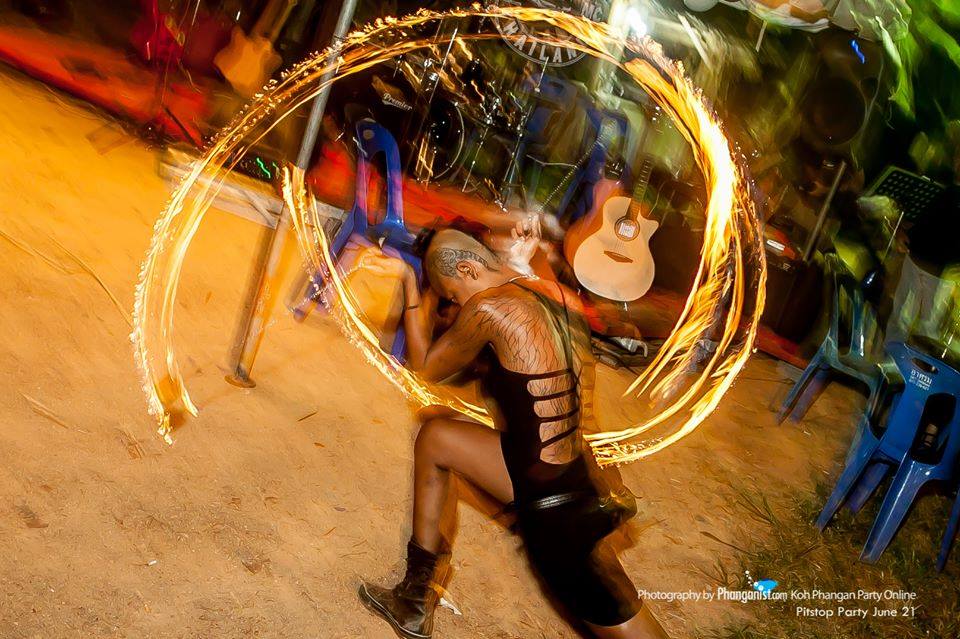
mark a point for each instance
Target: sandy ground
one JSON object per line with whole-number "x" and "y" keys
{"x": 260, "y": 521}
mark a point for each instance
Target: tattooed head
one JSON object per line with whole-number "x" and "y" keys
{"x": 449, "y": 248}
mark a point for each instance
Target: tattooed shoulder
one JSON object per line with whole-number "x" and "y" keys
{"x": 517, "y": 327}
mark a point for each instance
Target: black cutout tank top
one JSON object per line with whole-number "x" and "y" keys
{"x": 557, "y": 393}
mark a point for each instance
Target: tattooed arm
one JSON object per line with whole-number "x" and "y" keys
{"x": 453, "y": 350}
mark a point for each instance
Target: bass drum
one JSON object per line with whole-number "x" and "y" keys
{"x": 439, "y": 146}
{"x": 431, "y": 138}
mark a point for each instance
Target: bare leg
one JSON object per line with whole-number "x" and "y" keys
{"x": 643, "y": 625}
{"x": 445, "y": 445}
{"x": 473, "y": 451}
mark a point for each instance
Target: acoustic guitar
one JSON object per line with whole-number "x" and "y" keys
{"x": 250, "y": 60}
{"x": 609, "y": 248}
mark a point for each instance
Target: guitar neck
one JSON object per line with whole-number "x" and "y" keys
{"x": 604, "y": 138}
{"x": 640, "y": 188}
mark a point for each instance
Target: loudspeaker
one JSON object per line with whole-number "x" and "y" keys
{"x": 794, "y": 296}
{"x": 839, "y": 105}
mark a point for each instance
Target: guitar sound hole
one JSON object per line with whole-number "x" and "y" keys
{"x": 627, "y": 229}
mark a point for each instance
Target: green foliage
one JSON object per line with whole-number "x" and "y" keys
{"x": 801, "y": 558}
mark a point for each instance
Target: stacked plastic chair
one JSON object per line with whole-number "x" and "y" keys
{"x": 850, "y": 314}
{"x": 551, "y": 97}
{"x": 390, "y": 233}
{"x": 894, "y": 446}
{"x": 554, "y": 97}
{"x": 606, "y": 126}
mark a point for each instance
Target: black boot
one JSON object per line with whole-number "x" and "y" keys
{"x": 408, "y": 607}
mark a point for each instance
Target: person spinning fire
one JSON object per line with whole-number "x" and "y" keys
{"x": 539, "y": 384}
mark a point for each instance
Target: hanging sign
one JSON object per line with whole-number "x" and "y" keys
{"x": 518, "y": 34}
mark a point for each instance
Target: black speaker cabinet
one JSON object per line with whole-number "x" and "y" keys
{"x": 794, "y": 296}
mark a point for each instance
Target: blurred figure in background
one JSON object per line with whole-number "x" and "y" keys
{"x": 926, "y": 304}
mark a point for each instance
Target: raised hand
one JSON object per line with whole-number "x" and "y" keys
{"x": 526, "y": 239}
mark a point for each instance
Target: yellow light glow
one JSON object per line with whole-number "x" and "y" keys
{"x": 729, "y": 283}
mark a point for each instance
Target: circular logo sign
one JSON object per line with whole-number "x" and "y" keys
{"x": 520, "y": 36}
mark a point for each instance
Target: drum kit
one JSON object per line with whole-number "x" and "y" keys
{"x": 454, "y": 122}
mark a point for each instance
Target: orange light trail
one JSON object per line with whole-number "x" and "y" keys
{"x": 730, "y": 278}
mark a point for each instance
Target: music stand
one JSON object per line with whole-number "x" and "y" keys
{"x": 913, "y": 194}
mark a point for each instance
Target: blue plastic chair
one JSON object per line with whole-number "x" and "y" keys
{"x": 876, "y": 452}
{"x": 882, "y": 400}
{"x": 372, "y": 138}
{"x": 924, "y": 377}
{"x": 855, "y": 359}
{"x": 390, "y": 233}
{"x": 865, "y": 467}
{"x": 592, "y": 169}
{"x": 552, "y": 97}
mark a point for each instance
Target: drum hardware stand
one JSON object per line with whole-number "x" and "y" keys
{"x": 543, "y": 71}
{"x": 433, "y": 78}
{"x": 487, "y": 123}
{"x": 893, "y": 236}
{"x": 912, "y": 197}
{"x": 514, "y": 165}
{"x": 763, "y": 31}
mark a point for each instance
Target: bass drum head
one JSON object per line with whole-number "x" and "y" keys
{"x": 441, "y": 142}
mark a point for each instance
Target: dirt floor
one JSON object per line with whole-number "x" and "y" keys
{"x": 271, "y": 505}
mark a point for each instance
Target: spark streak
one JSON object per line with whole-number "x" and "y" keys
{"x": 728, "y": 287}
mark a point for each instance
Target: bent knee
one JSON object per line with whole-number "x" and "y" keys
{"x": 430, "y": 436}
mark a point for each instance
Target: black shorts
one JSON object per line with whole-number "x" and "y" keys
{"x": 584, "y": 575}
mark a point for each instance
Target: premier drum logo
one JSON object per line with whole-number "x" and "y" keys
{"x": 518, "y": 34}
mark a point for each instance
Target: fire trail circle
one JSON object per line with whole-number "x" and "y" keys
{"x": 724, "y": 304}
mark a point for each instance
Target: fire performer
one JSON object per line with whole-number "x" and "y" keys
{"x": 539, "y": 382}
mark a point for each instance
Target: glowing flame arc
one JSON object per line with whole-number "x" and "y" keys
{"x": 725, "y": 302}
